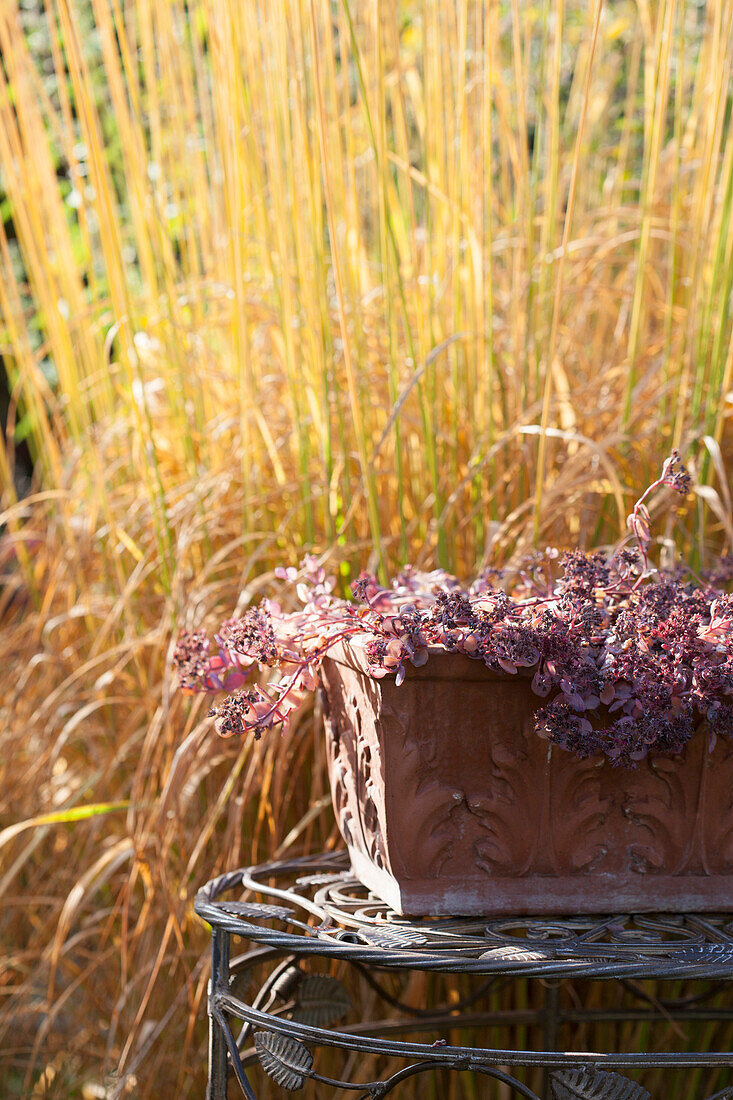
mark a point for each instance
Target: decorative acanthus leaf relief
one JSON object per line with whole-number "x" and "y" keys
{"x": 579, "y": 834}
{"x": 369, "y": 781}
{"x": 447, "y": 821}
{"x": 585, "y": 1083}
{"x": 513, "y": 781}
{"x": 449, "y": 784}
{"x": 494, "y": 816}
{"x": 286, "y": 1060}
{"x": 408, "y": 714}
{"x": 719, "y": 825}
{"x": 343, "y": 801}
{"x": 660, "y": 813}
{"x": 320, "y": 1001}
{"x": 355, "y": 763}
{"x": 342, "y": 757}
{"x": 420, "y": 833}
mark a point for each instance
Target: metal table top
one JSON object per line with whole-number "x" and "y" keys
{"x": 314, "y": 909}
{"x": 315, "y": 906}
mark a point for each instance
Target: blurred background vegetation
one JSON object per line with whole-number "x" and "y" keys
{"x": 433, "y": 282}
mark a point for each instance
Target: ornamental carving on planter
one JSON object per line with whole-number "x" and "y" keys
{"x": 563, "y": 743}
{"x": 490, "y": 819}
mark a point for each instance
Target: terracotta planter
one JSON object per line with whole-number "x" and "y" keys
{"x": 450, "y": 803}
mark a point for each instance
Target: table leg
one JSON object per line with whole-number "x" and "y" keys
{"x": 218, "y": 1066}
{"x": 550, "y": 1028}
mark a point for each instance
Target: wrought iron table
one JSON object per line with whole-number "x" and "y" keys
{"x": 315, "y": 909}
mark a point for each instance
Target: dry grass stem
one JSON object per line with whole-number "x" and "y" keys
{"x": 436, "y": 282}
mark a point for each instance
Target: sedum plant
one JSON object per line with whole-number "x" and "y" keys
{"x": 630, "y": 658}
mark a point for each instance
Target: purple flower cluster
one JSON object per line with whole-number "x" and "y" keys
{"x": 629, "y": 660}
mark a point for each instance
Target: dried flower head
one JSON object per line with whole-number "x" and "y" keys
{"x": 675, "y": 475}
{"x": 191, "y": 660}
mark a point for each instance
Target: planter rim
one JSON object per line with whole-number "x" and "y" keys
{"x": 442, "y": 664}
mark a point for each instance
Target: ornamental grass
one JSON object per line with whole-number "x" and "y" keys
{"x": 439, "y": 283}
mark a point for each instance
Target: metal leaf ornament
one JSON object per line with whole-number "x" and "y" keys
{"x": 392, "y": 937}
{"x": 720, "y": 953}
{"x": 284, "y": 1059}
{"x": 584, "y": 1083}
{"x": 255, "y": 909}
{"x": 320, "y": 1001}
{"x": 512, "y": 953}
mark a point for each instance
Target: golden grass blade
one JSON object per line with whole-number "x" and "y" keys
{"x": 289, "y": 277}
{"x": 567, "y": 225}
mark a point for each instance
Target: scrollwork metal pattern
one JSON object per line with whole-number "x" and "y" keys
{"x": 314, "y": 908}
